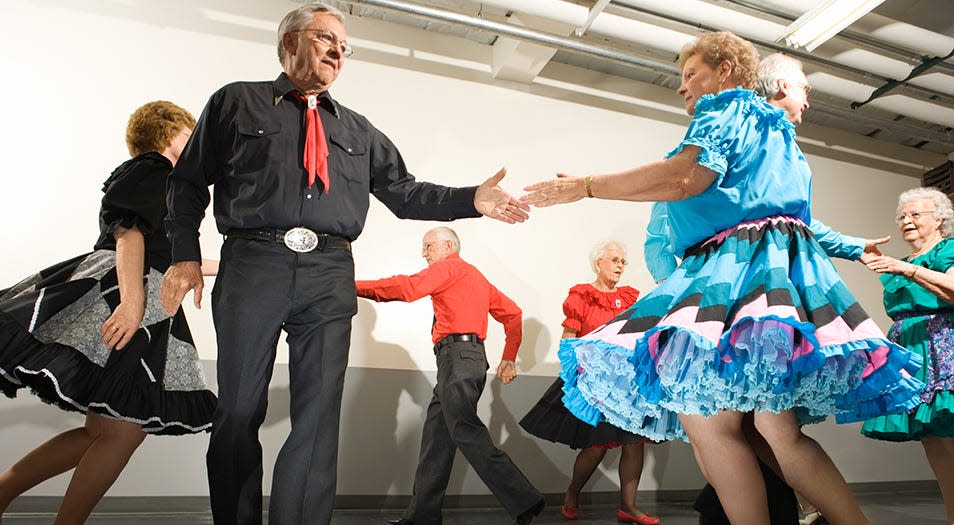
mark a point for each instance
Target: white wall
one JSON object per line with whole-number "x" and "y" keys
{"x": 74, "y": 71}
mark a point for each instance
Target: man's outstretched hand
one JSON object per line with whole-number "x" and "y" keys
{"x": 493, "y": 201}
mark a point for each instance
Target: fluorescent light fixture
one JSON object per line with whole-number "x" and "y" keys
{"x": 825, "y": 21}
{"x": 595, "y": 12}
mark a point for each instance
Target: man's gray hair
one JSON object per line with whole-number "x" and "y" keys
{"x": 300, "y": 18}
{"x": 777, "y": 67}
{"x": 599, "y": 251}
{"x": 444, "y": 233}
{"x": 942, "y": 206}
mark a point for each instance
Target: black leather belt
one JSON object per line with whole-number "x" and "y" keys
{"x": 456, "y": 338}
{"x": 296, "y": 239}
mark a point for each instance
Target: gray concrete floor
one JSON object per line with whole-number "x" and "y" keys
{"x": 882, "y": 508}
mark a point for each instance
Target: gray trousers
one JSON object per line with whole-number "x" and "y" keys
{"x": 452, "y": 424}
{"x": 261, "y": 289}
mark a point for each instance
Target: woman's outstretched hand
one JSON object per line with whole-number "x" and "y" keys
{"x": 560, "y": 190}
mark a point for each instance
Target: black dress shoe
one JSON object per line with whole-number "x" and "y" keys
{"x": 527, "y": 516}
{"x": 400, "y": 521}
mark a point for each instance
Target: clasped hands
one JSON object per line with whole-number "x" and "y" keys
{"x": 493, "y": 201}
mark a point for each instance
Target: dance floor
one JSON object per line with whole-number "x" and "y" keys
{"x": 883, "y": 507}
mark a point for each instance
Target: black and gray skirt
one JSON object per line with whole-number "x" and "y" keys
{"x": 50, "y": 342}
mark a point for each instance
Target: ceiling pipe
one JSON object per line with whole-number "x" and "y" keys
{"x": 615, "y": 56}
{"x": 946, "y": 139}
{"x": 860, "y": 38}
{"x": 922, "y": 63}
{"x": 669, "y": 40}
{"x": 610, "y": 25}
{"x": 759, "y": 29}
{"x": 520, "y": 33}
{"x": 907, "y": 88}
{"x": 846, "y": 34}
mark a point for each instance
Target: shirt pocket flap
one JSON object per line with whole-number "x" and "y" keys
{"x": 894, "y": 283}
{"x": 259, "y": 129}
{"x": 349, "y": 143}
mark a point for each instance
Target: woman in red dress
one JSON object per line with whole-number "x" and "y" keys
{"x": 587, "y": 307}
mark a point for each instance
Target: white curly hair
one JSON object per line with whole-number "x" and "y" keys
{"x": 942, "y": 206}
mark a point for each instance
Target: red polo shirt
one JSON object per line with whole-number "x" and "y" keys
{"x": 462, "y": 298}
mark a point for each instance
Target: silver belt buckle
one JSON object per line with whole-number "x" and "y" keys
{"x": 301, "y": 240}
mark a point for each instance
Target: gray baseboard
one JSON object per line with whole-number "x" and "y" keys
{"x": 199, "y": 505}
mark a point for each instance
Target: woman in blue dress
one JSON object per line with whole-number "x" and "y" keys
{"x": 754, "y": 320}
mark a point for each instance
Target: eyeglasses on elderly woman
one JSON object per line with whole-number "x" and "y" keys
{"x": 616, "y": 260}
{"x": 914, "y": 215}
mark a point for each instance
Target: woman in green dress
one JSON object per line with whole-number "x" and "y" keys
{"x": 919, "y": 297}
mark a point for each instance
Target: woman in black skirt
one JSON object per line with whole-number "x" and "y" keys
{"x": 587, "y": 307}
{"x": 89, "y": 335}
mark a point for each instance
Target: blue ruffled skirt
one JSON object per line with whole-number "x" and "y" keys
{"x": 754, "y": 319}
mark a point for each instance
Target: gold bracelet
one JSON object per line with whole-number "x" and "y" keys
{"x": 588, "y": 185}
{"x": 914, "y": 271}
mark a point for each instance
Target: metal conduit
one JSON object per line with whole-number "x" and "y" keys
{"x": 886, "y": 125}
{"x": 931, "y": 94}
{"x": 846, "y": 34}
{"x": 567, "y": 44}
{"x": 520, "y": 33}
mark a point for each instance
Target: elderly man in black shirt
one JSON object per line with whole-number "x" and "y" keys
{"x": 286, "y": 262}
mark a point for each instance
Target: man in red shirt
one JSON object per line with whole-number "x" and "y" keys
{"x": 462, "y": 298}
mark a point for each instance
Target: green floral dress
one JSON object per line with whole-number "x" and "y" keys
{"x": 923, "y": 323}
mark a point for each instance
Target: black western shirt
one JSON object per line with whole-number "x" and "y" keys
{"x": 248, "y": 145}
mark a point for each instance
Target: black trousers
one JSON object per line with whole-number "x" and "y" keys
{"x": 452, "y": 424}
{"x": 261, "y": 289}
{"x": 783, "y": 506}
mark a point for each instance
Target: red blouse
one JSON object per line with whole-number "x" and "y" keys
{"x": 587, "y": 308}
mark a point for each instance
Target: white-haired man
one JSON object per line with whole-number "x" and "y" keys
{"x": 462, "y": 299}
{"x": 784, "y": 85}
{"x": 292, "y": 170}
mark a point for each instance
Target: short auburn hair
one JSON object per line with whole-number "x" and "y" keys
{"x": 716, "y": 48}
{"x": 152, "y": 126}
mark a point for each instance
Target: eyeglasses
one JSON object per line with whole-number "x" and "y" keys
{"x": 914, "y": 215}
{"x": 617, "y": 260}
{"x": 329, "y": 39}
{"x": 806, "y": 87}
